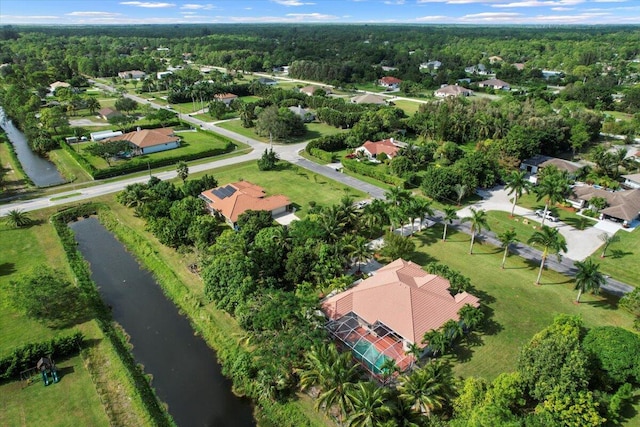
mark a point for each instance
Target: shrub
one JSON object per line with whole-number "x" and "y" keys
{"x": 616, "y": 352}
{"x": 375, "y": 172}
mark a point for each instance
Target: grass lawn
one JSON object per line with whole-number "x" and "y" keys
{"x": 314, "y": 130}
{"x": 249, "y": 99}
{"x": 409, "y": 107}
{"x": 21, "y": 250}
{"x": 499, "y": 222}
{"x": 13, "y": 181}
{"x": 68, "y": 166}
{"x": 622, "y": 259}
{"x": 300, "y": 185}
{"x": 72, "y": 401}
{"x": 517, "y": 308}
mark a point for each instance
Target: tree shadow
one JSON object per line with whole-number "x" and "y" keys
{"x": 62, "y": 372}
{"x": 629, "y": 410}
{"x": 422, "y": 258}
{"x": 563, "y": 282}
{"x": 606, "y": 301}
{"x": 426, "y": 238}
{"x": 7, "y": 268}
{"x": 619, "y": 253}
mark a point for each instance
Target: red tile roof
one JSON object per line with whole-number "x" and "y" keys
{"x": 234, "y": 199}
{"x": 388, "y": 80}
{"x": 404, "y": 297}
{"x": 225, "y": 96}
{"x": 147, "y": 137}
{"x": 384, "y": 146}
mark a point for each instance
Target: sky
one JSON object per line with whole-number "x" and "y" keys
{"x": 470, "y": 12}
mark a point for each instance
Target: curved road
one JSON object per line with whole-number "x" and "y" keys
{"x": 288, "y": 153}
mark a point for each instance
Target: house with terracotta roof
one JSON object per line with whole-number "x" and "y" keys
{"x": 390, "y": 82}
{"x": 232, "y": 200}
{"x": 227, "y": 98}
{"x": 147, "y": 141}
{"x": 452, "y": 91}
{"x": 496, "y": 84}
{"x": 382, "y": 316}
{"x": 371, "y": 149}
{"x": 57, "y": 85}
{"x": 368, "y": 98}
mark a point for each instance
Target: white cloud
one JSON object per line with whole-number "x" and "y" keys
{"x": 562, "y": 9}
{"x": 148, "y": 4}
{"x": 488, "y": 17}
{"x": 94, "y": 14}
{"x": 291, "y": 2}
{"x": 26, "y": 18}
{"x": 192, "y": 6}
{"x": 537, "y": 3}
{"x": 314, "y": 16}
{"x": 432, "y": 18}
{"x": 394, "y": 2}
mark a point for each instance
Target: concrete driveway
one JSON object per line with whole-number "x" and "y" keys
{"x": 580, "y": 243}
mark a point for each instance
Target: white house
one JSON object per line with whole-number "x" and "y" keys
{"x": 132, "y": 75}
{"x": 496, "y": 84}
{"x": 452, "y": 90}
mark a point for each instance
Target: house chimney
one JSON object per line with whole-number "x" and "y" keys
{"x": 391, "y": 139}
{"x": 138, "y": 129}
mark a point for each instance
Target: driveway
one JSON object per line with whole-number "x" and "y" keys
{"x": 580, "y": 243}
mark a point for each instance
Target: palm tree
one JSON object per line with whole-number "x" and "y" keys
{"x": 16, "y": 218}
{"x": 619, "y": 158}
{"x": 470, "y": 316}
{"x": 416, "y": 351}
{"x": 404, "y": 415}
{"x": 375, "y": 214}
{"x": 507, "y": 238}
{"x": 452, "y": 330}
{"x": 554, "y": 188}
{"x": 461, "y": 191}
{"x": 436, "y": 341}
{"x": 397, "y": 195}
{"x": 420, "y": 208}
{"x": 449, "y": 215}
{"x": 360, "y": 252}
{"x": 182, "y": 169}
{"x": 552, "y": 242}
{"x": 588, "y": 278}
{"x": 427, "y": 389}
{"x": 517, "y": 184}
{"x": 369, "y": 403}
{"x": 607, "y": 239}
{"x": 387, "y": 369}
{"x": 332, "y": 372}
{"x": 478, "y": 220}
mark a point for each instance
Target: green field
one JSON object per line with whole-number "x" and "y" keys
{"x": 517, "y": 308}
{"x": 314, "y": 130}
{"x": 72, "y": 401}
{"x": 409, "y": 107}
{"x": 300, "y": 185}
{"x": 622, "y": 259}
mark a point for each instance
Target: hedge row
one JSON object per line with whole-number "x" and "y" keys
{"x": 329, "y": 143}
{"x": 26, "y": 357}
{"x": 325, "y": 156}
{"x": 366, "y": 170}
{"x": 14, "y": 157}
{"x": 80, "y": 268}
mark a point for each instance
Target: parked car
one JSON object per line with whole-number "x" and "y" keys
{"x": 550, "y": 217}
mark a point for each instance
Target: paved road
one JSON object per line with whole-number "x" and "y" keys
{"x": 290, "y": 154}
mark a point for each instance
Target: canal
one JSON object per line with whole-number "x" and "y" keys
{"x": 186, "y": 375}
{"x": 42, "y": 172}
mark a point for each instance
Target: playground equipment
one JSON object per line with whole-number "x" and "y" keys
{"x": 48, "y": 370}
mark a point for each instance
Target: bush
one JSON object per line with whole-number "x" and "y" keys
{"x": 325, "y": 156}
{"x": 372, "y": 172}
{"x": 616, "y": 352}
{"x": 25, "y": 357}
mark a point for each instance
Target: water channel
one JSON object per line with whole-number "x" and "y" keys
{"x": 185, "y": 371}
{"x": 42, "y": 172}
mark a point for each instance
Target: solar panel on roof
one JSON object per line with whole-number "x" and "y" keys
{"x": 224, "y": 192}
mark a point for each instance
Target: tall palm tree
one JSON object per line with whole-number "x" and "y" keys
{"x": 404, "y": 415}
{"x": 554, "y": 188}
{"x": 517, "y": 184}
{"x": 421, "y": 208}
{"x": 427, "y": 389}
{"x": 449, "y": 215}
{"x": 478, "y": 220}
{"x": 588, "y": 278}
{"x": 370, "y": 405}
{"x": 619, "y": 158}
{"x": 452, "y": 330}
{"x": 359, "y": 251}
{"x": 507, "y": 238}
{"x": 16, "y": 218}
{"x": 375, "y": 214}
{"x": 607, "y": 239}
{"x": 415, "y": 351}
{"x": 552, "y": 242}
{"x": 397, "y": 195}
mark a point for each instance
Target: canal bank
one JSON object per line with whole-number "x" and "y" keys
{"x": 185, "y": 373}
{"x": 42, "y": 172}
